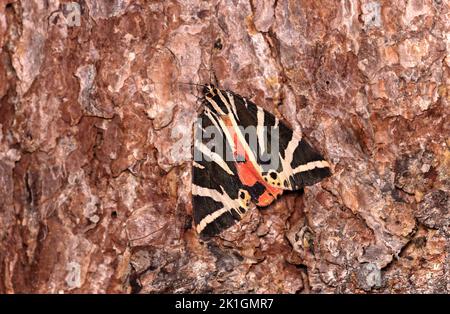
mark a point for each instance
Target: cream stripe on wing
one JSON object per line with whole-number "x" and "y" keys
{"x": 215, "y": 105}
{"x": 214, "y": 157}
{"x": 228, "y": 204}
{"x": 210, "y": 218}
{"x": 260, "y": 129}
{"x": 224, "y": 100}
{"x": 290, "y": 149}
{"x": 288, "y": 157}
{"x": 222, "y": 127}
{"x": 197, "y": 165}
{"x": 312, "y": 165}
{"x": 244, "y": 143}
{"x": 232, "y": 104}
{"x": 211, "y": 89}
{"x": 211, "y": 117}
{"x": 225, "y": 130}
{"x": 241, "y": 140}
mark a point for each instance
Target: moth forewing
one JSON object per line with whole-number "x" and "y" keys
{"x": 251, "y": 157}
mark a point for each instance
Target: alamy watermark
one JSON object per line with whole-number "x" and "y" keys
{"x": 263, "y": 142}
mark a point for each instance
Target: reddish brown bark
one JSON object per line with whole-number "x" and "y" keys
{"x": 96, "y": 135}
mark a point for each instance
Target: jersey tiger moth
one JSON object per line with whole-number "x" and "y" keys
{"x": 243, "y": 154}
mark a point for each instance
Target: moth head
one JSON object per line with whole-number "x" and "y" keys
{"x": 216, "y": 100}
{"x": 209, "y": 90}
{"x": 244, "y": 198}
{"x": 275, "y": 179}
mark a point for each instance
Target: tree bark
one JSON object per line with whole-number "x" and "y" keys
{"x": 96, "y": 138}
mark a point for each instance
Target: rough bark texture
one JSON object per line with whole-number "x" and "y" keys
{"x": 96, "y": 137}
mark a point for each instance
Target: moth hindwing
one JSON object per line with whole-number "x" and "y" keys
{"x": 244, "y": 154}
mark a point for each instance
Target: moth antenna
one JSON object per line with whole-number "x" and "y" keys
{"x": 149, "y": 234}
{"x": 192, "y": 84}
{"x": 202, "y": 86}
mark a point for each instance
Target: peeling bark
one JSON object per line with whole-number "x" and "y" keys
{"x": 96, "y": 137}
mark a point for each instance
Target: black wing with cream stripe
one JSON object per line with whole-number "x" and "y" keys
{"x": 219, "y": 199}
{"x": 298, "y": 164}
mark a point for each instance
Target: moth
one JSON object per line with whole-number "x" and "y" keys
{"x": 244, "y": 154}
